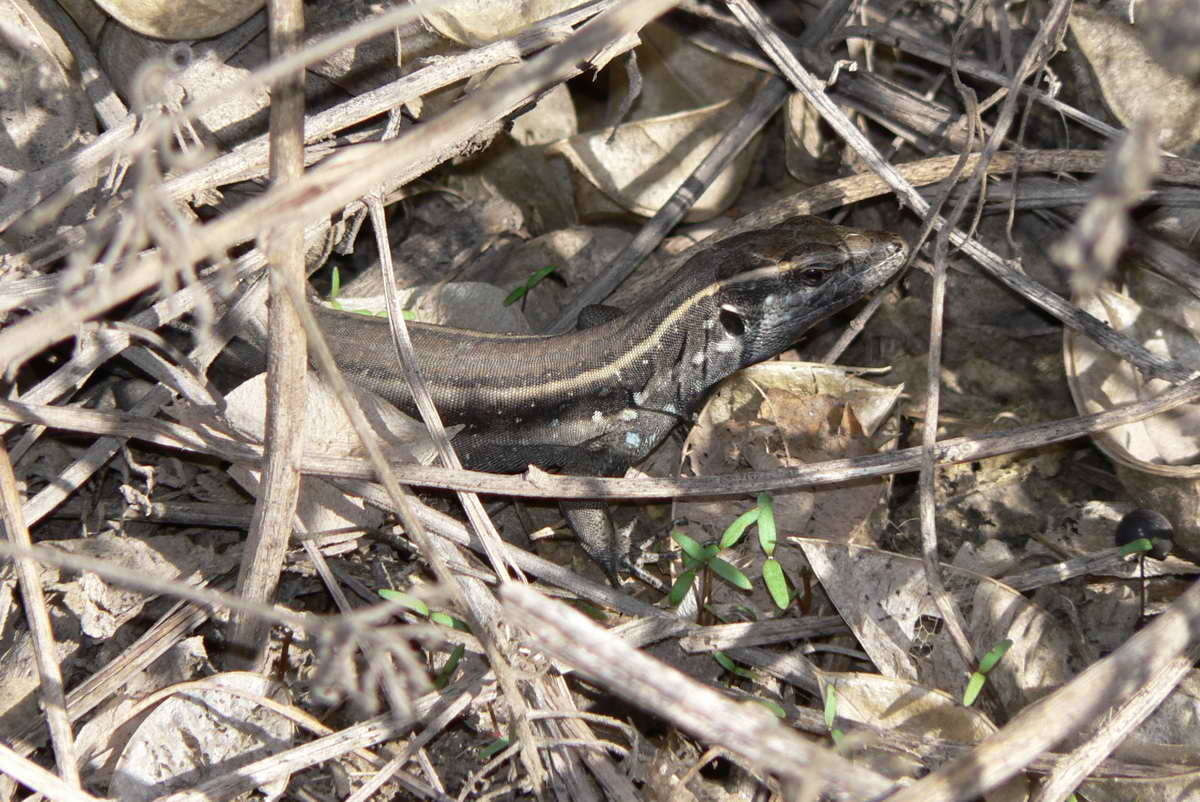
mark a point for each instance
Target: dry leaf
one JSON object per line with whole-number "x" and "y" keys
{"x": 461, "y": 304}
{"x": 1158, "y": 458}
{"x": 896, "y": 704}
{"x": 1131, "y": 83}
{"x": 1177, "y": 788}
{"x": 200, "y": 734}
{"x": 885, "y": 600}
{"x": 776, "y": 415}
{"x": 100, "y": 740}
{"x": 640, "y": 165}
{"x": 477, "y": 22}
{"x": 173, "y": 19}
{"x": 680, "y": 75}
{"x": 45, "y": 114}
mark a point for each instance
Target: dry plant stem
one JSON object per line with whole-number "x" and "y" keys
{"x": 433, "y": 727}
{"x": 362, "y": 169}
{"x": 357, "y": 170}
{"x": 109, "y": 108}
{"x": 107, "y": 343}
{"x": 406, "y": 356}
{"x": 127, "y": 137}
{"x": 398, "y": 495}
{"x": 246, "y": 160}
{"x": 478, "y": 599}
{"x": 1073, "y": 768}
{"x": 761, "y": 633}
{"x": 765, "y": 103}
{"x": 854, "y": 328}
{"x": 1017, "y": 281}
{"x": 1101, "y": 230}
{"x": 43, "y": 782}
{"x": 955, "y": 624}
{"x": 790, "y": 667}
{"x": 903, "y": 36}
{"x": 168, "y": 630}
{"x": 286, "y": 711}
{"x": 745, "y": 729}
{"x": 99, "y": 452}
{"x": 20, "y": 340}
{"x": 249, "y": 159}
{"x": 289, "y": 712}
{"x": 313, "y": 551}
{"x": 539, "y": 484}
{"x": 38, "y": 615}
{"x": 289, "y": 761}
{"x": 36, "y": 187}
{"x": 1109, "y": 562}
{"x": 1088, "y": 698}
{"x": 939, "y": 750}
{"x": 616, "y": 783}
{"x": 362, "y": 623}
{"x": 337, "y": 182}
{"x": 446, "y": 527}
{"x": 287, "y": 366}
{"x": 573, "y": 781}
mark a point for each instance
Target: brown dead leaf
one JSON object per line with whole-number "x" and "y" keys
{"x": 885, "y": 600}
{"x": 1133, "y": 85}
{"x": 775, "y": 415}
{"x": 200, "y": 732}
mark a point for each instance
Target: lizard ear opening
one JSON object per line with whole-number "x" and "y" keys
{"x": 731, "y": 320}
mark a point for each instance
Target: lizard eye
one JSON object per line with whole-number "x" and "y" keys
{"x": 731, "y": 321}
{"x": 815, "y": 276}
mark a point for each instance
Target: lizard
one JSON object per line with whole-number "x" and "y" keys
{"x": 600, "y": 398}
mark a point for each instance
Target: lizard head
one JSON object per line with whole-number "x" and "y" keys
{"x": 773, "y": 285}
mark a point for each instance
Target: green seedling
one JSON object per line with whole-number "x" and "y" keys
{"x": 697, "y": 558}
{"x": 1140, "y": 546}
{"x": 335, "y": 289}
{"x": 442, "y": 678}
{"x": 733, "y": 533}
{"x": 771, "y": 705}
{"x": 1146, "y": 533}
{"x": 762, "y": 515}
{"x": 520, "y": 292}
{"x": 732, "y": 667}
{"x": 766, "y": 523}
{"x": 831, "y": 703}
{"x": 422, "y": 609}
{"x": 979, "y": 678}
{"x": 494, "y": 748}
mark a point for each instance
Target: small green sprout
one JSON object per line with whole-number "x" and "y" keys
{"x": 696, "y": 558}
{"x": 520, "y": 292}
{"x": 732, "y": 667}
{"x": 335, "y": 289}
{"x": 733, "y": 533}
{"x": 831, "y": 704}
{"x": 1140, "y": 546}
{"x": 422, "y": 609}
{"x": 762, "y": 514}
{"x": 979, "y": 678}
{"x": 442, "y": 679}
{"x": 773, "y": 706}
{"x": 494, "y": 748}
